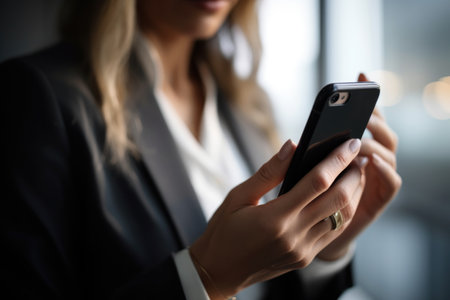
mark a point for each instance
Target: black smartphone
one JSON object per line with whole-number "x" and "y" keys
{"x": 340, "y": 112}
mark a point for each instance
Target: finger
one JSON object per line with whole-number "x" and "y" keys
{"x": 362, "y": 184}
{"x": 321, "y": 229}
{"x": 382, "y": 132}
{"x": 391, "y": 179}
{"x": 378, "y": 113}
{"x": 392, "y": 182}
{"x": 339, "y": 196}
{"x": 266, "y": 178}
{"x": 325, "y": 227}
{"x": 330, "y": 235}
{"x": 320, "y": 178}
{"x": 327, "y": 238}
{"x": 349, "y": 211}
{"x": 370, "y": 146}
{"x": 362, "y": 77}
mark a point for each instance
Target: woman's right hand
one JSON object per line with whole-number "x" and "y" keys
{"x": 246, "y": 243}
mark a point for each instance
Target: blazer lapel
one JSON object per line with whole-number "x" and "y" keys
{"x": 251, "y": 141}
{"x": 159, "y": 153}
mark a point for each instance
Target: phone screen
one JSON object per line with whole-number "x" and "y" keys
{"x": 341, "y": 112}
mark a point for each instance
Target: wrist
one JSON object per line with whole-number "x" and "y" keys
{"x": 215, "y": 292}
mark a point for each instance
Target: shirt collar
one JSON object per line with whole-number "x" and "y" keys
{"x": 207, "y": 151}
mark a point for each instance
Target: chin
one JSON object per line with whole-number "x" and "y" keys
{"x": 204, "y": 32}
{"x": 198, "y": 19}
{"x": 201, "y": 24}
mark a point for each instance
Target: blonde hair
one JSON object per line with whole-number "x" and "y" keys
{"x": 245, "y": 92}
{"x": 112, "y": 25}
{"x": 110, "y": 46}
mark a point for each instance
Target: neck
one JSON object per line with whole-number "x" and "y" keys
{"x": 175, "y": 53}
{"x": 179, "y": 80}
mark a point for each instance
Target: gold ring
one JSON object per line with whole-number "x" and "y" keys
{"x": 336, "y": 220}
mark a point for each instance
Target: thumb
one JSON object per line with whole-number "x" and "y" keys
{"x": 266, "y": 178}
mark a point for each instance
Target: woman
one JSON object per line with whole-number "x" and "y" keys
{"x": 129, "y": 137}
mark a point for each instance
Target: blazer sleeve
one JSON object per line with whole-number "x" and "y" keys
{"x": 41, "y": 257}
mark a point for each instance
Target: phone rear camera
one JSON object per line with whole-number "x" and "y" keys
{"x": 339, "y": 98}
{"x": 334, "y": 98}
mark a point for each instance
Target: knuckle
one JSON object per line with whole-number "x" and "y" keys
{"x": 233, "y": 193}
{"x": 341, "y": 160}
{"x": 321, "y": 181}
{"x": 265, "y": 173}
{"x": 347, "y": 214}
{"x": 297, "y": 256}
{"x": 274, "y": 229}
{"x": 342, "y": 197}
{"x": 304, "y": 259}
{"x": 307, "y": 261}
{"x": 303, "y": 263}
{"x": 286, "y": 246}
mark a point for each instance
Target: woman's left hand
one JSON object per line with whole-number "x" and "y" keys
{"x": 382, "y": 182}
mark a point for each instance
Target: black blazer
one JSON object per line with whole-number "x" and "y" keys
{"x": 74, "y": 225}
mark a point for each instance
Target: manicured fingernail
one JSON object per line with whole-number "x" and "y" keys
{"x": 362, "y": 77}
{"x": 355, "y": 144}
{"x": 286, "y": 150}
{"x": 362, "y": 161}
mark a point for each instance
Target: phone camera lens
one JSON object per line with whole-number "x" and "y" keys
{"x": 334, "y": 98}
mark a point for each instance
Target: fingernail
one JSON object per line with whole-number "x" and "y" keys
{"x": 362, "y": 161}
{"x": 355, "y": 144}
{"x": 362, "y": 77}
{"x": 285, "y": 150}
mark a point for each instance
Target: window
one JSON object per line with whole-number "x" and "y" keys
{"x": 289, "y": 67}
{"x": 404, "y": 45}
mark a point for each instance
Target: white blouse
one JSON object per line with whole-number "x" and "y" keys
{"x": 214, "y": 164}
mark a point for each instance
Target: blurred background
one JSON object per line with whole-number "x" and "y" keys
{"x": 402, "y": 44}
{"x": 405, "y": 46}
